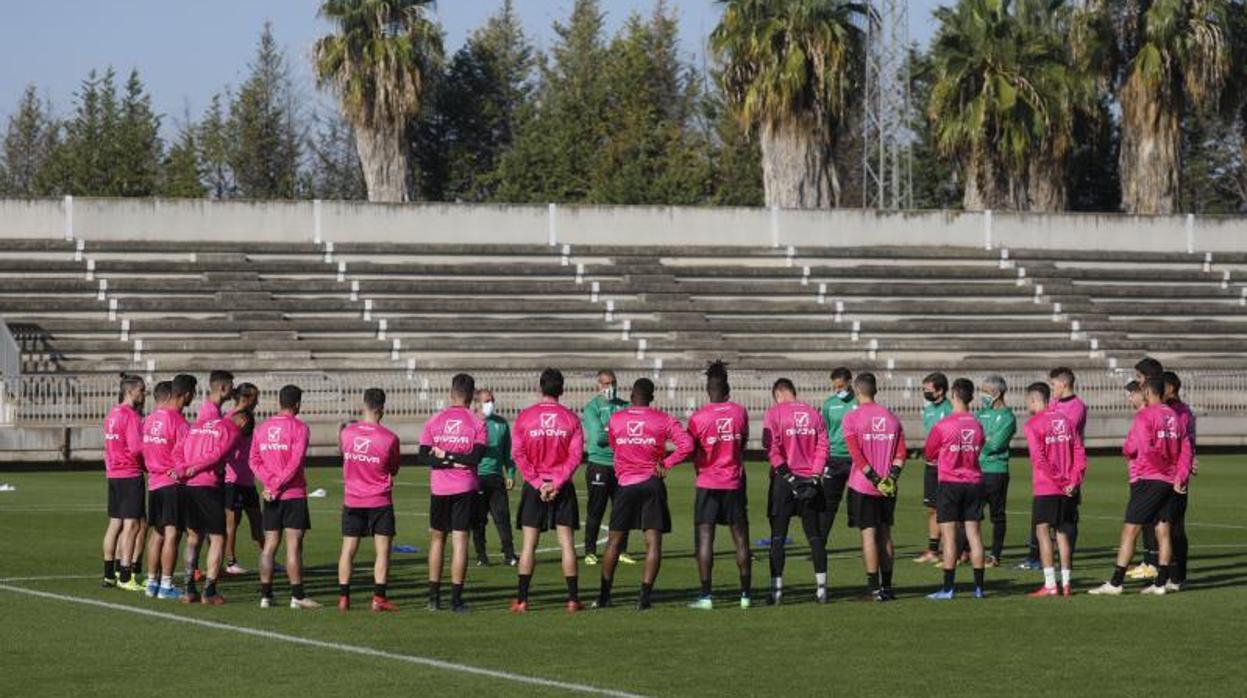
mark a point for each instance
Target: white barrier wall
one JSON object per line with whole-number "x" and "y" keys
{"x": 340, "y": 221}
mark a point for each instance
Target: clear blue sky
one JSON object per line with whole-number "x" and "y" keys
{"x": 186, "y": 50}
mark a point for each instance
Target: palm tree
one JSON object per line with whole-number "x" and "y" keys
{"x": 378, "y": 62}
{"x": 787, "y": 65}
{"x": 1006, "y": 95}
{"x": 1181, "y": 61}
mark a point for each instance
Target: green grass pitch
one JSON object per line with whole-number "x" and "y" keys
{"x": 1185, "y": 644}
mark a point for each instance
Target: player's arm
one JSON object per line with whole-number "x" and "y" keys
{"x": 134, "y": 439}
{"x": 425, "y": 457}
{"x": 256, "y": 461}
{"x": 822, "y": 448}
{"x": 1079, "y": 470}
{"x": 998, "y": 439}
{"x": 931, "y": 449}
{"x": 396, "y": 456}
{"x": 575, "y": 447}
{"x": 472, "y": 458}
{"x": 520, "y": 458}
{"x": 683, "y": 444}
{"x": 294, "y": 462}
{"x": 592, "y": 423}
{"x": 1186, "y": 459}
{"x": 504, "y": 452}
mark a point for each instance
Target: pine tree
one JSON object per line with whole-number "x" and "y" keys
{"x": 335, "y": 171}
{"x": 181, "y": 174}
{"x": 265, "y": 154}
{"x": 215, "y": 143}
{"x": 736, "y": 158}
{"x": 135, "y": 149}
{"x": 28, "y": 143}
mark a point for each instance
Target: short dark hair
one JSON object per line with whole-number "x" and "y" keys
{"x": 937, "y": 379}
{"x": 184, "y": 384}
{"x": 1133, "y": 387}
{"x": 374, "y": 399}
{"x": 247, "y": 390}
{"x": 783, "y": 384}
{"x": 1171, "y": 380}
{"x": 643, "y": 391}
{"x": 1062, "y": 373}
{"x": 717, "y": 386}
{"x": 963, "y": 390}
{"x": 551, "y": 382}
{"x": 163, "y": 391}
{"x": 606, "y": 372}
{"x": 1149, "y": 367}
{"x": 1041, "y": 389}
{"x": 1155, "y": 386}
{"x": 865, "y": 384}
{"x": 841, "y": 373}
{"x": 289, "y": 397}
{"x": 219, "y": 378}
{"x": 129, "y": 382}
{"x": 463, "y": 385}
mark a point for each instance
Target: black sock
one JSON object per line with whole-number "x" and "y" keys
{"x": 573, "y": 587}
{"x": 705, "y": 587}
{"x": 746, "y": 585}
{"x": 231, "y": 562}
{"x": 296, "y": 591}
{"x": 646, "y": 591}
{"x": 978, "y": 577}
{"x": 124, "y": 573}
{"x": 380, "y": 590}
{"x": 109, "y": 569}
{"x": 137, "y": 568}
{"x": 456, "y": 594}
{"x": 210, "y": 587}
{"x": 344, "y": 589}
{"x": 949, "y": 577}
{"x": 521, "y": 593}
{"x": 190, "y": 586}
{"x": 886, "y": 578}
{"x": 872, "y": 580}
{"x": 1119, "y": 576}
{"x": 266, "y": 590}
{"x": 933, "y": 544}
{"x": 1162, "y": 575}
{"x": 605, "y": 593}
{"x": 435, "y": 592}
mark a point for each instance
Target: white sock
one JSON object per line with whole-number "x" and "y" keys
{"x": 777, "y": 584}
{"x": 1049, "y": 577}
{"x": 1065, "y": 574}
{"x": 151, "y": 577}
{"x": 820, "y": 578}
{"x": 166, "y": 582}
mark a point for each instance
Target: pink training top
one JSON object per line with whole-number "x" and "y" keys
{"x": 1187, "y": 418}
{"x": 1058, "y": 459}
{"x": 547, "y": 443}
{"x": 278, "y": 448}
{"x": 454, "y": 430}
{"x": 876, "y": 440}
{"x": 238, "y": 462}
{"x": 163, "y": 431}
{"x": 204, "y": 450}
{"x": 123, "y": 442}
{"x": 639, "y": 436}
{"x": 370, "y": 457}
{"x": 794, "y": 433}
{"x": 208, "y": 411}
{"x": 1158, "y": 446}
{"x": 1075, "y": 410}
{"x": 720, "y": 430}
{"x": 954, "y": 445}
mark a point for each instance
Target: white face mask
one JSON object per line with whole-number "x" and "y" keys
{"x": 610, "y": 392}
{"x": 487, "y": 408}
{"x": 842, "y": 394}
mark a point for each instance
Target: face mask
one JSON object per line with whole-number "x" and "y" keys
{"x": 609, "y": 392}
{"x": 988, "y": 400}
{"x": 928, "y": 396}
{"x": 487, "y": 408}
{"x": 843, "y": 394}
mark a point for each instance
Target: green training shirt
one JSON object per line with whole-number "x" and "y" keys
{"x": 497, "y": 458}
{"x": 834, "y": 409}
{"x": 933, "y": 412}
{"x": 999, "y": 426}
{"x": 593, "y": 420}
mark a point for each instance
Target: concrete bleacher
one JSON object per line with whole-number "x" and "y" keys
{"x": 168, "y": 306}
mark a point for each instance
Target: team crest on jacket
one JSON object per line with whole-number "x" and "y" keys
{"x": 878, "y": 423}
{"x": 361, "y": 444}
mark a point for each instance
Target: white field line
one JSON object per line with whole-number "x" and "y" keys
{"x": 326, "y": 645}
{"x": 1190, "y": 524}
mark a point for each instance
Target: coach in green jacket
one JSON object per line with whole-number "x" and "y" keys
{"x": 600, "y": 472}
{"x": 496, "y": 475}
{"x": 999, "y": 426}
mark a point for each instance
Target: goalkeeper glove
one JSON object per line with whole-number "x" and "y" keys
{"x": 887, "y": 486}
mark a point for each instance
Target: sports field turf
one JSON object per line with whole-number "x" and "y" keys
{"x": 1185, "y": 644}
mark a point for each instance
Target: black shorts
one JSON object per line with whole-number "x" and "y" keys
{"x": 205, "y": 510}
{"x": 239, "y": 497}
{"x": 164, "y": 507}
{"x": 1056, "y": 510}
{"x": 958, "y": 502}
{"x": 366, "y": 522}
{"x": 125, "y": 497}
{"x": 281, "y": 514}
{"x": 782, "y": 501}
{"x": 602, "y": 484}
{"x": 1149, "y": 501}
{"x": 641, "y": 506}
{"x": 1175, "y": 511}
{"x": 721, "y": 507}
{"x": 866, "y": 511}
{"x": 564, "y": 510}
{"x": 452, "y": 512}
{"x": 930, "y": 486}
